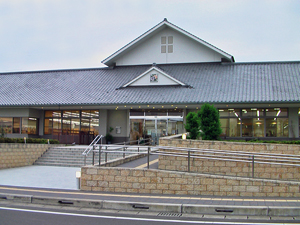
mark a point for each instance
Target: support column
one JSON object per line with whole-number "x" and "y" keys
{"x": 103, "y": 121}
{"x": 293, "y": 123}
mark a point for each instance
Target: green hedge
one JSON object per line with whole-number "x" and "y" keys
{"x": 28, "y": 140}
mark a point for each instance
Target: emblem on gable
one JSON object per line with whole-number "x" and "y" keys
{"x": 154, "y": 78}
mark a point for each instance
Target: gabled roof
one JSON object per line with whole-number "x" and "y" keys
{"x": 109, "y": 61}
{"x": 214, "y": 83}
{"x": 168, "y": 80}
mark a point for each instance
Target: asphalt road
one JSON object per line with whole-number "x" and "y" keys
{"x": 16, "y": 214}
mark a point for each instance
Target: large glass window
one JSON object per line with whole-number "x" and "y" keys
{"x": 155, "y": 123}
{"x": 70, "y": 122}
{"x": 254, "y": 122}
{"x": 29, "y": 126}
{"x": 6, "y": 124}
{"x": 230, "y": 127}
{"x": 17, "y": 125}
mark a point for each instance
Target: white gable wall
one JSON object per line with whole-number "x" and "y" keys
{"x": 185, "y": 50}
{"x": 145, "y": 80}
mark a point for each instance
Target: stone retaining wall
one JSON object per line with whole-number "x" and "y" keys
{"x": 243, "y": 169}
{"x": 233, "y": 146}
{"x": 181, "y": 183}
{"x": 17, "y": 155}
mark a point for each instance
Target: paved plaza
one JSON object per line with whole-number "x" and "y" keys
{"x": 40, "y": 177}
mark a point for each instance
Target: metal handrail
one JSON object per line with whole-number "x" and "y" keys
{"x": 232, "y": 156}
{"x": 129, "y": 142}
{"x": 91, "y": 146}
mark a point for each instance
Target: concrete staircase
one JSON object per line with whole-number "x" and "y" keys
{"x": 70, "y": 157}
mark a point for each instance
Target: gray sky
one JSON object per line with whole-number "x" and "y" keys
{"x": 69, "y": 34}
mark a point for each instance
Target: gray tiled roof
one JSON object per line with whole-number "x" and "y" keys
{"x": 209, "y": 82}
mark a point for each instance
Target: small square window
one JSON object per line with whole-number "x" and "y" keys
{"x": 170, "y": 40}
{"x": 163, "y": 40}
{"x": 170, "y": 48}
{"x": 163, "y": 49}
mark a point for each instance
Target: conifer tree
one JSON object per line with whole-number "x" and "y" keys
{"x": 192, "y": 125}
{"x": 209, "y": 121}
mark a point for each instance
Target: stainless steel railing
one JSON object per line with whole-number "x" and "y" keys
{"x": 231, "y": 156}
{"x": 91, "y": 146}
{"x": 125, "y": 148}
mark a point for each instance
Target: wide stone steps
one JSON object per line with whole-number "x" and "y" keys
{"x": 71, "y": 157}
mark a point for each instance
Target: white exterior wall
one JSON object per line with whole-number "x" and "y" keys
{"x": 118, "y": 118}
{"x": 185, "y": 50}
{"x": 145, "y": 80}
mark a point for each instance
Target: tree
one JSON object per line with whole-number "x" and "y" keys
{"x": 210, "y": 125}
{"x": 192, "y": 125}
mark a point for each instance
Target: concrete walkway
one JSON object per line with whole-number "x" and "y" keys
{"x": 40, "y": 177}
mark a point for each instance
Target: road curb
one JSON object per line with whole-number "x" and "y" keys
{"x": 154, "y": 207}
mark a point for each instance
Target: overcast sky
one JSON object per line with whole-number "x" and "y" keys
{"x": 69, "y": 34}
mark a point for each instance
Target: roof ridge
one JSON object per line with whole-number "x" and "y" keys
{"x": 53, "y": 71}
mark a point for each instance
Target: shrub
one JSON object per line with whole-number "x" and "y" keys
{"x": 28, "y": 140}
{"x": 210, "y": 125}
{"x": 192, "y": 125}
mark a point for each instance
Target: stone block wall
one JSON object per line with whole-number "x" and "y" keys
{"x": 231, "y": 168}
{"x": 17, "y": 155}
{"x": 233, "y": 146}
{"x": 168, "y": 182}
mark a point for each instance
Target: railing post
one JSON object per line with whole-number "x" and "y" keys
{"x": 252, "y": 166}
{"x": 148, "y": 158}
{"x": 93, "y": 160}
{"x": 189, "y": 160}
{"x": 106, "y": 157}
{"x": 100, "y": 147}
{"x": 123, "y": 152}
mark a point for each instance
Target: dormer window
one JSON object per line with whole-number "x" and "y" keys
{"x": 167, "y": 44}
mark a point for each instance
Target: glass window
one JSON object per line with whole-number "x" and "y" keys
{"x": 253, "y": 112}
{"x": 16, "y": 125}
{"x": 75, "y": 126}
{"x": 247, "y": 128}
{"x": 73, "y": 114}
{"x": 136, "y": 129}
{"x": 66, "y": 126}
{"x": 94, "y": 126}
{"x": 52, "y": 113}
{"x": 258, "y": 127}
{"x": 85, "y": 125}
{"x": 6, "y": 124}
{"x": 29, "y": 126}
{"x": 282, "y": 127}
{"x": 161, "y": 128}
{"x": 277, "y": 112}
{"x": 175, "y": 127}
{"x": 230, "y": 127}
{"x": 229, "y": 113}
{"x": 271, "y": 127}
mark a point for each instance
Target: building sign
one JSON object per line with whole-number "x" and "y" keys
{"x": 154, "y": 78}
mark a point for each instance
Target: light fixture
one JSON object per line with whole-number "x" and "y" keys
{"x": 278, "y": 113}
{"x": 183, "y": 136}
